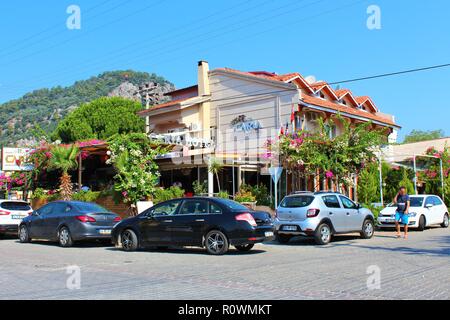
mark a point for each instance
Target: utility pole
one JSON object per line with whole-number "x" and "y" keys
{"x": 151, "y": 93}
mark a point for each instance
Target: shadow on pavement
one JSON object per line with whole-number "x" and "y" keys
{"x": 442, "y": 250}
{"x": 78, "y": 244}
{"x": 309, "y": 241}
{"x": 191, "y": 251}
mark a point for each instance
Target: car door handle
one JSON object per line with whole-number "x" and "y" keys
{"x": 331, "y": 213}
{"x": 200, "y": 220}
{"x": 167, "y": 220}
{"x": 348, "y": 213}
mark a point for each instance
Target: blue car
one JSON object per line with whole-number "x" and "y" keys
{"x": 67, "y": 222}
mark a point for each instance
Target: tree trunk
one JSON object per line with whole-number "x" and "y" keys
{"x": 218, "y": 181}
{"x": 66, "y": 187}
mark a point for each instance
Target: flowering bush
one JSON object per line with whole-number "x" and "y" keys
{"x": 14, "y": 181}
{"x": 309, "y": 153}
{"x": 432, "y": 175}
{"x": 133, "y": 155}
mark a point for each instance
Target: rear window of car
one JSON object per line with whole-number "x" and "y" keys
{"x": 296, "y": 201}
{"x": 233, "y": 205}
{"x": 91, "y": 208}
{"x": 15, "y": 205}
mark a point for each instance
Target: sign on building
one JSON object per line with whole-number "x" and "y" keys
{"x": 15, "y": 159}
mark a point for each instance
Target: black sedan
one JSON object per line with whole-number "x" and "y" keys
{"x": 212, "y": 223}
{"x": 68, "y": 221}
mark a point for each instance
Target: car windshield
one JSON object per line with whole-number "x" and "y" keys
{"x": 233, "y": 205}
{"x": 90, "y": 208}
{"x": 296, "y": 201}
{"x": 416, "y": 202}
{"x": 15, "y": 205}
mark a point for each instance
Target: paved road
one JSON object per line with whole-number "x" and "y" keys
{"x": 417, "y": 268}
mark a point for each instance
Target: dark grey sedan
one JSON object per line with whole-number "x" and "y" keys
{"x": 68, "y": 221}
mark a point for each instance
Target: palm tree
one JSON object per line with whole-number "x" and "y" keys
{"x": 64, "y": 158}
{"x": 215, "y": 167}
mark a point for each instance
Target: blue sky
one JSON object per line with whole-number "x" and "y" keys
{"x": 325, "y": 38}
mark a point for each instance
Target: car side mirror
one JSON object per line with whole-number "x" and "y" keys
{"x": 358, "y": 206}
{"x": 429, "y": 206}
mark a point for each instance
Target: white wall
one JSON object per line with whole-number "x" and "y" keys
{"x": 268, "y": 103}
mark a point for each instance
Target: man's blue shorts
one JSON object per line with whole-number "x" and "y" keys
{"x": 401, "y": 217}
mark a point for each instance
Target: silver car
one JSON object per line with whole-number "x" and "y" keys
{"x": 321, "y": 215}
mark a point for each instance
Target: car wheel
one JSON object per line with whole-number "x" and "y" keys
{"x": 245, "y": 247}
{"x": 283, "y": 238}
{"x": 323, "y": 234}
{"x": 129, "y": 240}
{"x": 216, "y": 242}
{"x": 24, "y": 235}
{"x": 422, "y": 223}
{"x": 368, "y": 229}
{"x": 445, "y": 221}
{"x": 64, "y": 237}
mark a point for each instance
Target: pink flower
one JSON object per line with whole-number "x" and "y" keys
{"x": 124, "y": 194}
{"x": 329, "y": 174}
{"x": 84, "y": 155}
{"x": 267, "y": 155}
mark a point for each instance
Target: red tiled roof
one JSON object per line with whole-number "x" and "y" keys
{"x": 306, "y": 98}
{"x": 317, "y": 85}
{"x": 162, "y": 105}
{"x": 191, "y": 88}
{"x": 337, "y": 107}
{"x": 288, "y": 76}
{"x": 256, "y": 74}
{"x": 362, "y": 99}
{"x": 342, "y": 92}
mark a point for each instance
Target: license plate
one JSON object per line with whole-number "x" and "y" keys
{"x": 290, "y": 228}
{"x": 105, "y": 231}
{"x": 17, "y": 217}
{"x": 390, "y": 220}
{"x": 268, "y": 234}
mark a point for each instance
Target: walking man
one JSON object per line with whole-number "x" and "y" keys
{"x": 402, "y": 213}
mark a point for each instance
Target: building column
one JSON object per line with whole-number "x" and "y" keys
{"x": 239, "y": 178}
{"x": 210, "y": 184}
{"x": 80, "y": 171}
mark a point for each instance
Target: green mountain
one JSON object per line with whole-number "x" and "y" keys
{"x": 45, "y": 107}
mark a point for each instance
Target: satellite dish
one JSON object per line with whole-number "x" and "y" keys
{"x": 310, "y": 79}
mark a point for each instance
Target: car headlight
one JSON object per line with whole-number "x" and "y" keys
{"x": 412, "y": 214}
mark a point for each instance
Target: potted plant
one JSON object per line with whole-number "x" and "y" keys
{"x": 39, "y": 198}
{"x": 246, "y": 198}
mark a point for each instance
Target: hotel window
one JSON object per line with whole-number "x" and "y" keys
{"x": 332, "y": 131}
{"x": 322, "y": 95}
{"x": 298, "y": 121}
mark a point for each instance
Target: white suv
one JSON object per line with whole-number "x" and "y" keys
{"x": 425, "y": 210}
{"x": 11, "y": 214}
{"x": 321, "y": 215}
